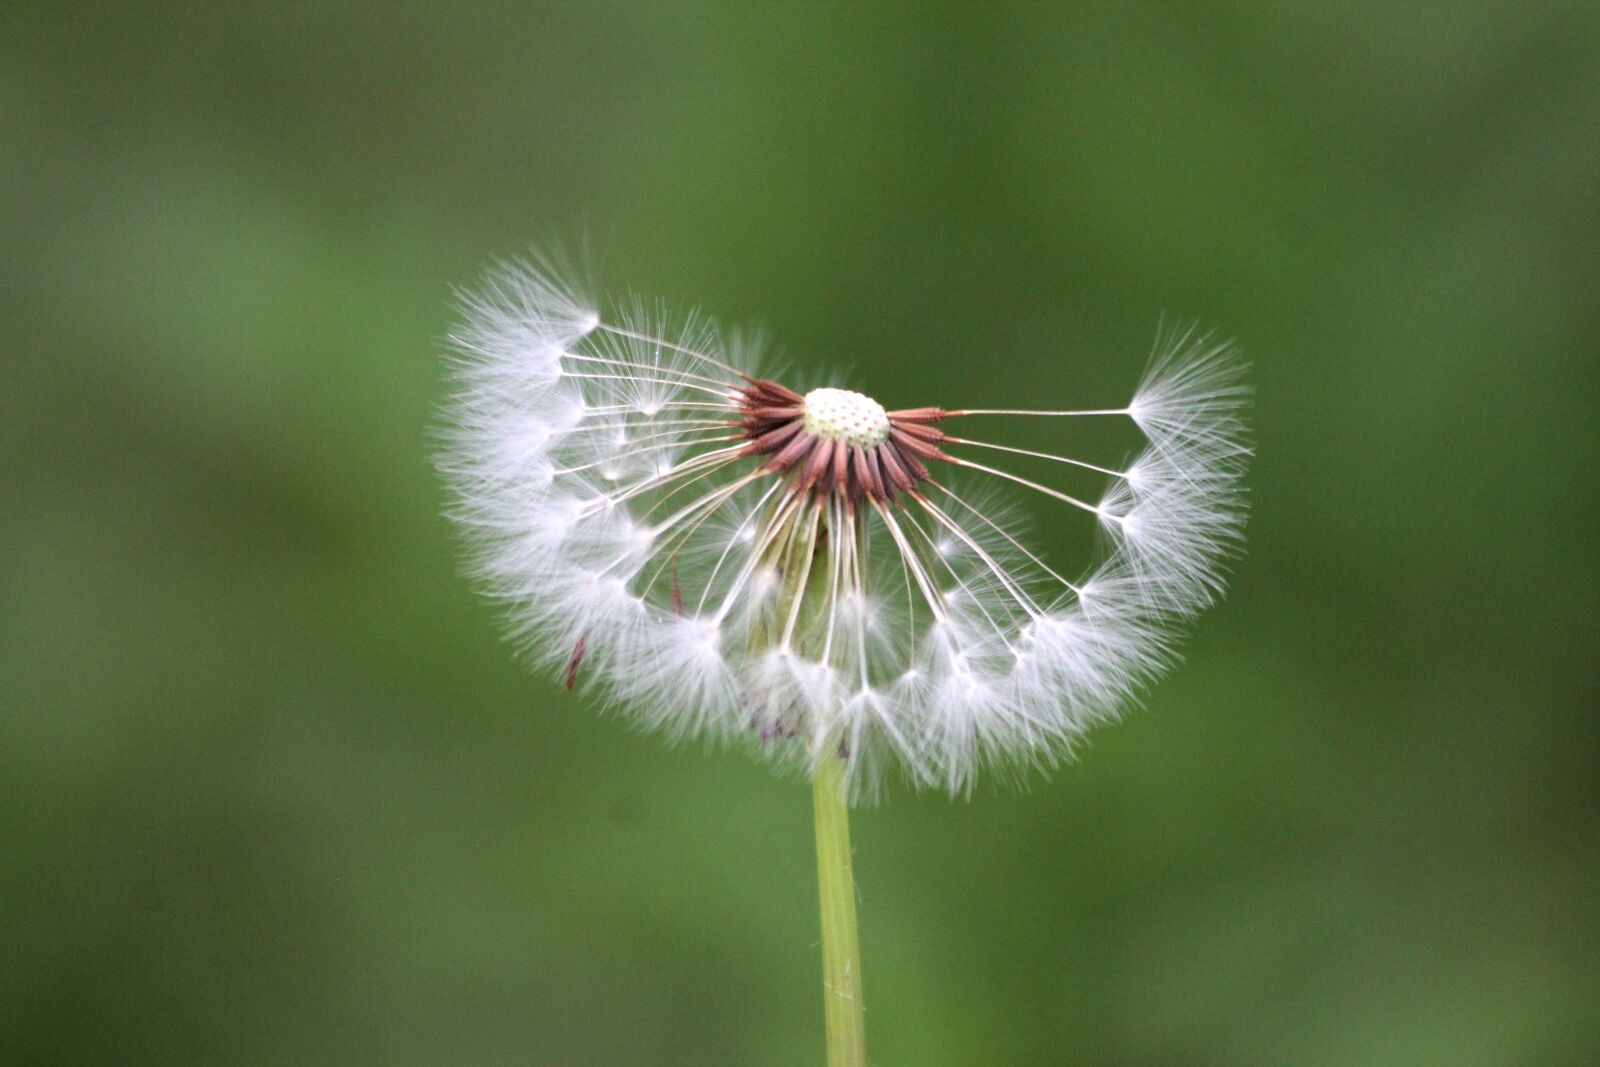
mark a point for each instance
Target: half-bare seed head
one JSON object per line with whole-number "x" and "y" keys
{"x": 728, "y": 558}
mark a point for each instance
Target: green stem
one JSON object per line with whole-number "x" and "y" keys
{"x": 841, "y": 948}
{"x": 803, "y": 554}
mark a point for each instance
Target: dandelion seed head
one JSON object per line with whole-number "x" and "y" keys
{"x": 724, "y": 558}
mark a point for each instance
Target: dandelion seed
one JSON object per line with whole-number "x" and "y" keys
{"x": 729, "y": 558}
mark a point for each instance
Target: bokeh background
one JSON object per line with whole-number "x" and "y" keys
{"x": 272, "y": 790}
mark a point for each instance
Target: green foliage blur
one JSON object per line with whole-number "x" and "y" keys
{"x": 274, "y": 791}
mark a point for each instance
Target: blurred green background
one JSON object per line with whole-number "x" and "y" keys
{"x": 273, "y": 791}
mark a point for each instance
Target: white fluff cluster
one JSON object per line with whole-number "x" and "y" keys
{"x": 602, "y": 473}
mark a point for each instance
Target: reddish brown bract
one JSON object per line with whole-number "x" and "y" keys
{"x": 774, "y": 423}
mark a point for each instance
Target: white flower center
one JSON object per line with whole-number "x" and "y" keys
{"x": 845, "y": 415}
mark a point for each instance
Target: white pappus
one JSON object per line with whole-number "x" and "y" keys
{"x": 729, "y": 559}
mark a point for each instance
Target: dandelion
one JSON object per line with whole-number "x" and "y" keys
{"x": 840, "y": 587}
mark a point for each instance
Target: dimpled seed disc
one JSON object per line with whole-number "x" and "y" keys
{"x": 845, "y": 415}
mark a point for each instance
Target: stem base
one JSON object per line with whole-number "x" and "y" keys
{"x": 841, "y": 947}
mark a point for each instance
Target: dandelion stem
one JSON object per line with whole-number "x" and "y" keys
{"x": 836, "y": 887}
